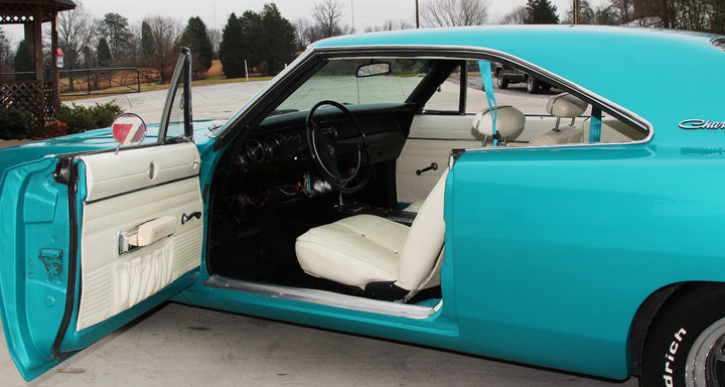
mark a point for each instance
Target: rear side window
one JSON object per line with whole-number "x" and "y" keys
{"x": 570, "y": 121}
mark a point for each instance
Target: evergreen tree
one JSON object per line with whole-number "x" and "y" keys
{"x": 231, "y": 50}
{"x": 115, "y": 29}
{"x": 89, "y": 60}
{"x": 253, "y": 36}
{"x": 540, "y": 12}
{"x": 147, "y": 43}
{"x": 25, "y": 59}
{"x": 196, "y": 38}
{"x": 103, "y": 53}
{"x": 279, "y": 39}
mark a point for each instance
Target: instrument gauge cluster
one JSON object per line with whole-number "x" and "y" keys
{"x": 271, "y": 148}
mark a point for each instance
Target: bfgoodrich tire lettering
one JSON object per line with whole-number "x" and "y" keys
{"x": 685, "y": 346}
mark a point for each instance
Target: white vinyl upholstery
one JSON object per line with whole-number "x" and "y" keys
{"x": 566, "y": 105}
{"x": 362, "y": 249}
{"x": 567, "y": 134}
{"x": 509, "y": 122}
{"x": 353, "y": 251}
{"x": 561, "y": 106}
{"x": 414, "y": 207}
{"x": 122, "y": 196}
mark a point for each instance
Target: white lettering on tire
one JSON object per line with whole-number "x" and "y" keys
{"x": 670, "y": 356}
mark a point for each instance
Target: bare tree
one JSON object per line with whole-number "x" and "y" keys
{"x": 598, "y": 14}
{"x": 215, "y": 35}
{"x": 6, "y": 51}
{"x": 302, "y": 33}
{"x": 76, "y": 31}
{"x": 162, "y": 39}
{"x": 328, "y": 19}
{"x": 390, "y": 25}
{"x": 516, "y": 16}
{"x": 451, "y": 13}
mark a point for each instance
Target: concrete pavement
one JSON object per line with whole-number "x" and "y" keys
{"x": 209, "y": 102}
{"x": 183, "y": 346}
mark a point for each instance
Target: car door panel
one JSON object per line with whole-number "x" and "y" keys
{"x": 115, "y": 281}
{"x": 90, "y": 241}
{"x": 430, "y": 141}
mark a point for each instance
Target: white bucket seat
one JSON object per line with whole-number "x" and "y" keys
{"x": 386, "y": 259}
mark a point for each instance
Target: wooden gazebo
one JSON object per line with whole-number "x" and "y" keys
{"x": 35, "y": 94}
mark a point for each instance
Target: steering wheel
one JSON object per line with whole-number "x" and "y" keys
{"x": 331, "y": 155}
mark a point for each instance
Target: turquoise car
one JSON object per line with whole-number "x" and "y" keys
{"x": 382, "y": 185}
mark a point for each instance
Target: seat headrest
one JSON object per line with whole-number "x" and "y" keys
{"x": 509, "y": 122}
{"x": 566, "y": 105}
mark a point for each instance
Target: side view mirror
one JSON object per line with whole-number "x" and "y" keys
{"x": 128, "y": 129}
{"x": 373, "y": 69}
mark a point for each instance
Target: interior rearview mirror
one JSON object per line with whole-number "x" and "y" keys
{"x": 373, "y": 69}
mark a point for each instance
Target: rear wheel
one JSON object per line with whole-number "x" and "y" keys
{"x": 532, "y": 85}
{"x": 685, "y": 346}
{"x": 501, "y": 80}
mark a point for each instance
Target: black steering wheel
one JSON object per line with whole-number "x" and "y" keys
{"x": 344, "y": 163}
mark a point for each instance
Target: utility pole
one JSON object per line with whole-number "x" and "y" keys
{"x": 352, "y": 12}
{"x": 576, "y": 12}
{"x": 417, "y": 17}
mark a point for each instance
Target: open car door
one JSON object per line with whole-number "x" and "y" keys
{"x": 90, "y": 241}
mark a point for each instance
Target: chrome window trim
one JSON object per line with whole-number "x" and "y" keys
{"x": 452, "y": 52}
{"x": 321, "y": 297}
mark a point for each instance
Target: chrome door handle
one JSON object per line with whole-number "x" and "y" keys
{"x": 145, "y": 234}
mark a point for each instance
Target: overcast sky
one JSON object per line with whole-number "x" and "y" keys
{"x": 367, "y": 13}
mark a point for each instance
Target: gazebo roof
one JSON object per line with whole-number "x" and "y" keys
{"x": 23, "y": 11}
{"x": 61, "y": 4}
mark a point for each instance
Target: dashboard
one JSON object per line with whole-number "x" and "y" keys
{"x": 275, "y": 158}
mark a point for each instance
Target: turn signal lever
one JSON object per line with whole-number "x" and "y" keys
{"x": 432, "y": 166}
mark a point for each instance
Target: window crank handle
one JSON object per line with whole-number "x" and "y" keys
{"x": 432, "y": 166}
{"x": 185, "y": 218}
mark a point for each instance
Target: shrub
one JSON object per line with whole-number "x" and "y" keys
{"x": 54, "y": 128}
{"x": 80, "y": 118}
{"x": 16, "y": 124}
{"x": 104, "y": 114}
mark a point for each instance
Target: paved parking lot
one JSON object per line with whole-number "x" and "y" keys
{"x": 179, "y": 345}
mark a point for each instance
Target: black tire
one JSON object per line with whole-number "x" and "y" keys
{"x": 545, "y": 86}
{"x": 685, "y": 345}
{"x": 501, "y": 80}
{"x": 532, "y": 85}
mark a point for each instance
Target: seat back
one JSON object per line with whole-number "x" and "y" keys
{"x": 561, "y": 106}
{"x": 424, "y": 243}
{"x": 509, "y": 122}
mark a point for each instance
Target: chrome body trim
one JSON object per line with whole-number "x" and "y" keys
{"x": 321, "y": 297}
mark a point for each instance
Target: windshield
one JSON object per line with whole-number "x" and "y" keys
{"x": 337, "y": 81}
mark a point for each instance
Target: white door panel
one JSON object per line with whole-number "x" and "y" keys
{"x": 443, "y": 127}
{"x": 114, "y": 282}
{"x": 430, "y": 141}
{"x": 109, "y": 174}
